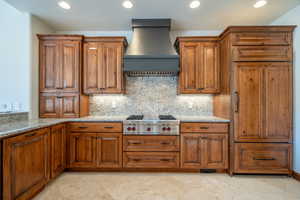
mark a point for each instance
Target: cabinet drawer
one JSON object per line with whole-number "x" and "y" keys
{"x": 261, "y": 38}
{"x": 262, "y": 53}
{"x": 262, "y": 158}
{"x": 96, "y": 127}
{"x": 204, "y": 127}
{"x": 150, "y": 160}
{"x": 151, "y": 143}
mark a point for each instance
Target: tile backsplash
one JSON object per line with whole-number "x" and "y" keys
{"x": 151, "y": 96}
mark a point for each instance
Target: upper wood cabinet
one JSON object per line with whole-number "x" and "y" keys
{"x": 60, "y": 61}
{"x": 263, "y": 102}
{"x": 200, "y": 63}
{"x": 103, "y": 65}
{"x": 25, "y": 164}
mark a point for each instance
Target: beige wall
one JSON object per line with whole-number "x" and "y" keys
{"x": 37, "y": 27}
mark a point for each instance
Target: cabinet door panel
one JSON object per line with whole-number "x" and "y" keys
{"x": 58, "y": 150}
{"x": 49, "y": 66}
{"x": 93, "y": 67}
{"x": 26, "y": 161}
{"x": 191, "y": 151}
{"x": 70, "y": 106}
{"x": 189, "y": 67}
{"x": 49, "y": 106}
{"x": 82, "y": 150}
{"x": 248, "y": 112}
{"x": 109, "y": 150}
{"x": 278, "y": 104}
{"x": 70, "y": 65}
{"x": 210, "y": 78}
{"x": 216, "y": 151}
{"x": 112, "y": 68}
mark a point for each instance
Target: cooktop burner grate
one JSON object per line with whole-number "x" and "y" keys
{"x": 166, "y": 117}
{"x": 135, "y": 117}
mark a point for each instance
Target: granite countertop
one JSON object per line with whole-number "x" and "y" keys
{"x": 15, "y": 128}
{"x": 201, "y": 119}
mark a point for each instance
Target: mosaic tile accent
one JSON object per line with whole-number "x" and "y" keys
{"x": 151, "y": 96}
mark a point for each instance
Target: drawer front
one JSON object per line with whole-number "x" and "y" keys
{"x": 96, "y": 127}
{"x": 262, "y": 53}
{"x": 204, "y": 127}
{"x": 261, "y": 38}
{"x": 151, "y": 160}
{"x": 262, "y": 158}
{"x": 151, "y": 143}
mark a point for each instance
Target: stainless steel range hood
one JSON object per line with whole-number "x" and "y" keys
{"x": 151, "y": 52}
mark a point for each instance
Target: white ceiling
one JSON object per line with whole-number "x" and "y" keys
{"x": 110, "y": 15}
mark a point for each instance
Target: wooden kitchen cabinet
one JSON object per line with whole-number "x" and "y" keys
{"x": 263, "y": 102}
{"x": 60, "y": 59}
{"x": 64, "y": 105}
{"x": 60, "y": 77}
{"x": 103, "y": 65}
{"x": 25, "y": 164}
{"x": 58, "y": 150}
{"x": 204, "y": 151}
{"x": 82, "y": 149}
{"x": 199, "y": 65}
{"x": 109, "y": 150}
{"x": 95, "y": 145}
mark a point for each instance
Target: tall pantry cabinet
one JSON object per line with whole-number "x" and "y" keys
{"x": 60, "y": 77}
{"x": 256, "y": 94}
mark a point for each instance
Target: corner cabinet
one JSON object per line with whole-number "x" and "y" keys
{"x": 60, "y": 77}
{"x": 103, "y": 65}
{"x": 199, "y": 65}
{"x": 25, "y": 164}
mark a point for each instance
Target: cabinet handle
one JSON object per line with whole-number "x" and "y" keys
{"x": 237, "y": 102}
{"x": 200, "y": 88}
{"x": 82, "y": 127}
{"x": 59, "y": 97}
{"x": 109, "y": 127}
{"x": 165, "y": 143}
{"x": 30, "y": 134}
{"x": 136, "y": 160}
{"x": 165, "y": 160}
{"x": 266, "y": 159}
{"x": 135, "y": 143}
{"x": 107, "y": 138}
{"x": 204, "y": 127}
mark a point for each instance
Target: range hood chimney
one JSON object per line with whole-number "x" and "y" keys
{"x": 151, "y": 52}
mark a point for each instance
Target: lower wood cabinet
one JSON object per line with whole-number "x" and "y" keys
{"x": 262, "y": 158}
{"x": 25, "y": 164}
{"x": 151, "y": 160}
{"x": 58, "y": 150}
{"x": 204, "y": 151}
{"x": 95, "y": 150}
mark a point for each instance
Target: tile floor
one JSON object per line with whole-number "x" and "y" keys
{"x": 169, "y": 186}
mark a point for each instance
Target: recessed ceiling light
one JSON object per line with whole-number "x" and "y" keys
{"x": 64, "y": 5}
{"x": 194, "y": 4}
{"x": 260, "y": 3}
{"x": 127, "y": 4}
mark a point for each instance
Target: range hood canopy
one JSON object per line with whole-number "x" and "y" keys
{"x": 151, "y": 52}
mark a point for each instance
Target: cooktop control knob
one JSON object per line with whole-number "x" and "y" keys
{"x": 129, "y": 129}
{"x": 148, "y": 129}
{"x": 133, "y": 128}
{"x": 164, "y": 128}
{"x": 169, "y": 129}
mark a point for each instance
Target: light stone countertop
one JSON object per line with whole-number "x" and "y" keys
{"x": 201, "y": 119}
{"x": 15, "y": 128}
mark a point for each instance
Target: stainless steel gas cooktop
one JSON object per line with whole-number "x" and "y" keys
{"x": 160, "y": 125}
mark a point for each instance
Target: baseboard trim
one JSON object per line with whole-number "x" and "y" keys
{"x": 296, "y": 176}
